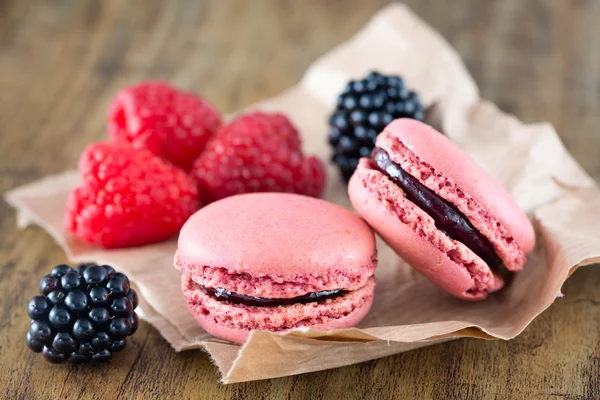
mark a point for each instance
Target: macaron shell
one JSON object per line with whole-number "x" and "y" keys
{"x": 234, "y": 322}
{"x": 277, "y": 234}
{"x": 449, "y": 160}
{"x": 241, "y": 335}
{"x": 380, "y": 202}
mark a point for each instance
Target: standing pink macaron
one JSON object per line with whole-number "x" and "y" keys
{"x": 440, "y": 211}
{"x": 276, "y": 261}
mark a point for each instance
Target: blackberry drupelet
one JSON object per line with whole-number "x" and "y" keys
{"x": 363, "y": 109}
{"x": 83, "y": 314}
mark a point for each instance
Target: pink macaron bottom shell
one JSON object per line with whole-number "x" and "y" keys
{"x": 412, "y": 233}
{"x": 234, "y": 322}
{"x": 506, "y": 247}
{"x": 276, "y": 286}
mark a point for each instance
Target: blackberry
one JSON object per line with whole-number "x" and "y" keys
{"x": 83, "y": 314}
{"x": 363, "y": 109}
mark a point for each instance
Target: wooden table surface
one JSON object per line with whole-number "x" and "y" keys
{"x": 61, "y": 61}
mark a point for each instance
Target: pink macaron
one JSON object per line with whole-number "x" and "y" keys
{"x": 276, "y": 261}
{"x": 440, "y": 211}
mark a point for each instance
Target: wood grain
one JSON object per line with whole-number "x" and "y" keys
{"x": 61, "y": 61}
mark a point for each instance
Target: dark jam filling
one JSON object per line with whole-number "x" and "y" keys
{"x": 447, "y": 218}
{"x": 225, "y": 295}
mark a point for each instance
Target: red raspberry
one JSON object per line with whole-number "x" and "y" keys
{"x": 128, "y": 197}
{"x": 257, "y": 152}
{"x": 171, "y": 123}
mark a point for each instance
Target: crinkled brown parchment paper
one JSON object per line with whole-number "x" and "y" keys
{"x": 408, "y": 312}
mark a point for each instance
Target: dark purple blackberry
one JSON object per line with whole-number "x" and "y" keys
{"x": 83, "y": 314}
{"x": 363, "y": 109}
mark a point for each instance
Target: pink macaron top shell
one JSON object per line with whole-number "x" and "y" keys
{"x": 444, "y": 168}
{"x": 279, "y": 235}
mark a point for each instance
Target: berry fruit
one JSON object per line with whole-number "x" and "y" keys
{"x": 171, "y": 123}
{"x": 128, "y": 197}
{"x": 363, "y": 109}
{"x": 257, "y": 152}
{"x": 80, "y": 329}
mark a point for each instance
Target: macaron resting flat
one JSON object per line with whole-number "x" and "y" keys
{"x": 440, "y": 211}
{"x": 275, "y": 261}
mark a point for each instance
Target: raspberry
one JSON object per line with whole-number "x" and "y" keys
{"x": 128, "y": 197}
{"x": 171, "y": 123}
{"x": 257, "y": 152}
